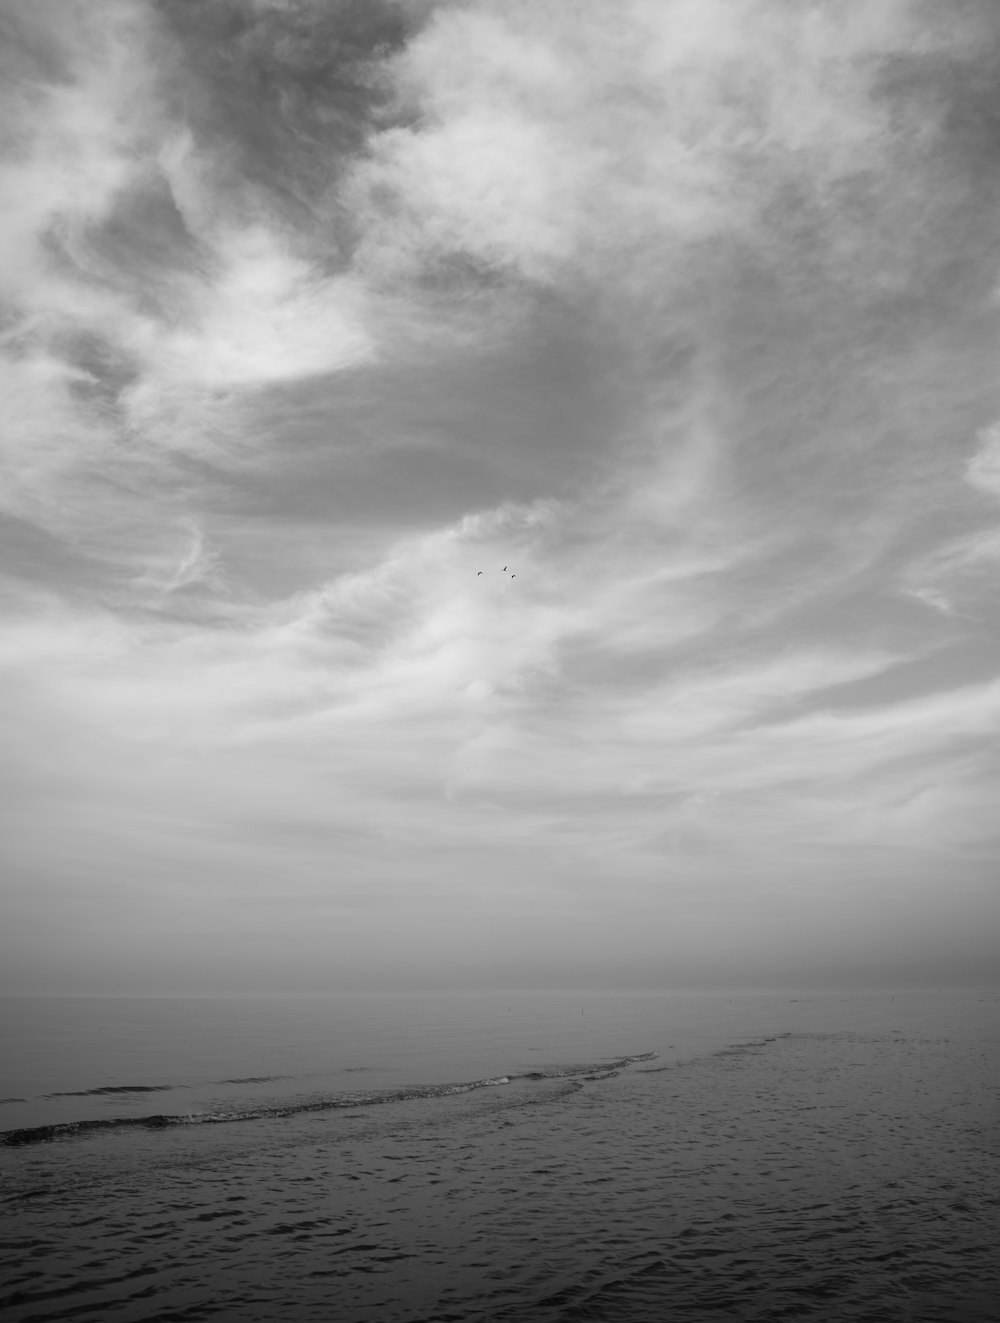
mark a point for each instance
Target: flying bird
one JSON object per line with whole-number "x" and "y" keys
{"x": 480, "y": 572}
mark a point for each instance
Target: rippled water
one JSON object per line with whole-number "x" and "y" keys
{"x": 810, "y": 1172}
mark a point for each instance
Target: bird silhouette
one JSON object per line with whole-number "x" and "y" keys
{"x": 480, "y": 572}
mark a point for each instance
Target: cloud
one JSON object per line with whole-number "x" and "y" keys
{"x": 540, "y": 142}
{"x": 953, "y": 576}
{"x": 314, "y": 313}
{"x": 139, "y": 312}
{"x": 983, "y": 469}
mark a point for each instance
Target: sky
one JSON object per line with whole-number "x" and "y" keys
{"x": 499, "y": 495}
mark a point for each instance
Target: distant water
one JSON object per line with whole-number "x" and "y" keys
{"x": 502, "y": 1158}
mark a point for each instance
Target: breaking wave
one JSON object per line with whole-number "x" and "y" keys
{"x": 255, "y": 1079}
{"x": 116, "y": 1089}
{"x": 273, "y": 1111}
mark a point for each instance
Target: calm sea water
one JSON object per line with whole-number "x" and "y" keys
{"x": 502, "y": 1158}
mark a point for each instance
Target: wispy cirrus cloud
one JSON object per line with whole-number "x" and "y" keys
{"x": 139, "y": 309}
{"x": 318, "y": 316}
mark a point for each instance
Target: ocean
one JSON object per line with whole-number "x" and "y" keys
{"x": 505, "y": 1157}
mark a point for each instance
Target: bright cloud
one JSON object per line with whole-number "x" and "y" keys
{"x": 983, "y": 469}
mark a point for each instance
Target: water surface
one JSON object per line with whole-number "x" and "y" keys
{"x": 822, "y": 1157}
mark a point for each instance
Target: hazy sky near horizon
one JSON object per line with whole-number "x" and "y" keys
{"x": 685, "y": 311}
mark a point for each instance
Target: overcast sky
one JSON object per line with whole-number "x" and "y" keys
{"x": 316, "y": 314}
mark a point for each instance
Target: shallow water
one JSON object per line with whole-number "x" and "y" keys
{"x": 838, "y": 1163}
